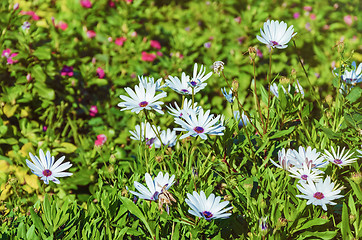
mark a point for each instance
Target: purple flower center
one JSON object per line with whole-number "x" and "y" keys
{"x": 143, "y": 104}
{"x": 337, "y": 161}
{"x": 318, "y": 195}
{"x": 47, "y": 172}
{"x": 199, "y": 129}
{"x": 274, "y": 43}
{"x": 207, "y": 214}
{"x": 304, "y": 177}
{"x": 185, "y": 90}
{"x": 193, "y": 83}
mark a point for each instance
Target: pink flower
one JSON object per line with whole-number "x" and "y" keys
{"x": 16, "y": 6}
{"x": 159, "y": 53}
{"x": 120, "y": 41}
{"x": 28, "y": 77}
{"x": 111, "y": 4}
{"x": 9, "y": 56}
{"x": 237, "y": 19}
{"x": 312, "y": 16}
{"x": 93, "y": 111}
{"x": 307, "y": 8}
{"x": 307, "y": 26}
{"x": 91, "y": 34}
{"x": 129, "y": 1}
{"x": 100, "y": 72}
{"x": 86, "y": 3}
{"x": 30, "y": 13}
{"x": 296, "y": 15}
{"x": 207, "y": 44}
{"x": 241, "y": 39}
{"x": 326, "y": 27}
{"x": 155, "y": 44}
{"x": 62, "y": 25}
{"x": 134, "y": 34}
{"x": 348, "y": 20}
{"x": 148, "y": 57}
{"x": 101, "y": 139}
{"x": 67, "y": 71}
{"x": 110, "y": 39}
{"x": 259, "y": 53}
{"x": 45, "y": 128}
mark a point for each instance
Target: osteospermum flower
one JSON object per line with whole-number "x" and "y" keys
{"x": 145, "y": 133}
{"x": 276, "y": 34}
{"x": 243, "y": 120}
{"x": 229, "y": 96}
{"x": 142, "y": 98}
{"x": 151, "y": 81}
{"x": 307, "y": 156}
{"x": 305, "y": 173}
{"x": 338, "y": 158}
{"x": 46, "y": 168}
{"x": 208, "y": 208}
{"x": 297, "y": 87}
{"x": 218, "y": 67}
{"x": 154, "y": 187}
{"x": 199, "y": 124}
{"x": 353, "y": 76}
{"x": 168, "y": 138}
{"x": 178, "y": 112}
{"x": 284, "y": 161}
{"x": 199, "y": 78}
{"x": 320, "y": 193}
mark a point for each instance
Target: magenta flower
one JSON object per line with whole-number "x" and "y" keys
{"x": 296, "y": 15}
{"x": 259, "y": 53}
{"x": 16, "y": 6}
{"x": 91, "y": 34}
{"x": 148, "y": 57}
{"x": 155, "y": 44}
{"x": 313, "y": 16}
{"x": 9, "y": 56}
{"x": 45, "y": 128}
{"x": 30, "y": 13}
{"x": 93, "y": 111}
{"x": 111, "y": 4}
{"x": 67, "y": 71}
{"x": 62, "y": 25}
{"x": 120, "y": 41}
{"x": 348, "y": 20}
{"x": 237, "y": 19}
{"x": 86, "y": 3}
{"x": 159, "y": 53}
{"x": 101, "y": 139}
{"x": 307, "y": 8}
{"x": 100, "y": 72}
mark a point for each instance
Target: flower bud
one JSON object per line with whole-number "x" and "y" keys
{"x": 252, "y": 53}
{"x": 235, "y": 86}
{"x": 356, "y": 177}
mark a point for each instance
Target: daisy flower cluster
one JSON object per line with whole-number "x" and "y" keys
{"x": 351, "y": 76}
{"x": 190, "y": 118}
{"x": 201, "y": 206}
{"x": 307, "y": 165}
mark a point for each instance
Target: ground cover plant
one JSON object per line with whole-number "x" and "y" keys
{"x": 180, "y": 119}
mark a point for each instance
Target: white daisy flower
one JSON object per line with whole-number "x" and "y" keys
{"x": 151, "y": 81}
{"x": 298, "y": 89}
{"x": 154, "y": 187}
{"x": 284, "y": 161}
{"x": 208, "y": 208}
{"x": 199, "y": 124}
{"x": 199, "y": 78}
{"x": 276, "y": 35}
{"x": 243, "y": 121}
{"x": 180, "y": 86}
{"x": 46, "y": 168}
{"x": 354, "y": 75}
{"x": 168, "y": 138}
{"x": 178, "y": 112}
{"x": 338, "y": 158}
{"x": 218, "y": 67}
{"x": 229, "y": 96}
{"x": 320, "y": 193}
{"x": 142, "y": 98}
{"x": 305, "y": 173}
{"x": 147, "y": 134}
{"x": 307, "y": 156}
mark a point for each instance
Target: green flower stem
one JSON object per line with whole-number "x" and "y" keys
{"x": 257, "y": 103}
{"x": 183, "y": 100}
{"x": 154, "y": 130}
{"x": 240, "y": 105}
{"x": 269, "y": 95}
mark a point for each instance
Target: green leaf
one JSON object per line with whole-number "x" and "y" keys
{"x": 37, "y": 221}
{"x": 38, "y": 74}
{"x": 9, "y": 109}
{"x": 354, "y": 95}
{"x": 282, "y": 133}
{"x": 43, "y": 91}
{"x": 30, "y": 234}
{"x": 313, "y": 222}
{"x": 42, "y": 53}
{"x": 345, "y": 222}
{"x": 128, "y": 204}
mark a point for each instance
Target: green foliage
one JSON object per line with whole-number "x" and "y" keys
{"x": 42, "y": 109}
